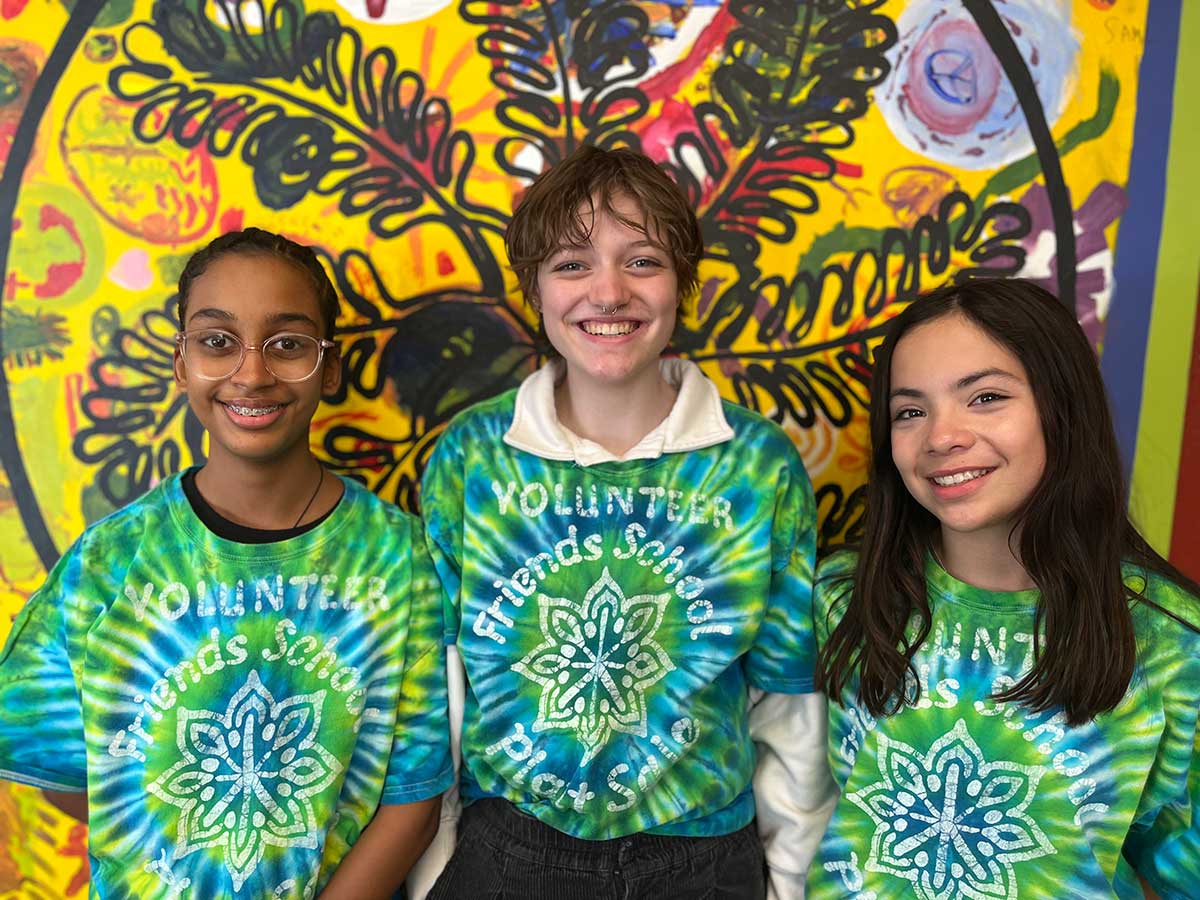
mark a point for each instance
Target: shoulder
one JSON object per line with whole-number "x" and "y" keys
{"x": 838, "y": 565}
{"x": 95, "y": 563}
{"x": 835, "y": 571}
{"x": 124, "y": 527}
{"x": 834, "y": 578}
{"x": 482, "y": 425}
{"x": 1172, "y": 613}
{"x": 367, "y": 506}
{"x": 487, "y": 419}
{"x": 760, "y": 440}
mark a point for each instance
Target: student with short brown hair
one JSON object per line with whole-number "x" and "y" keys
{"x": 625, "y": 557}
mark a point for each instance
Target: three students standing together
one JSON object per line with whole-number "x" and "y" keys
{"x": 239, "y": 680}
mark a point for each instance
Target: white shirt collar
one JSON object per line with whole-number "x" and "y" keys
{"x": 696, "y": 420}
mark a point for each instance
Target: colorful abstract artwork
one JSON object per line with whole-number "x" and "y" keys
{"x": 842, "y": 156}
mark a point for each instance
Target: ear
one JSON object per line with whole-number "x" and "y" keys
{"x": 180, "y": 370}
{"x": 331, "y": 371}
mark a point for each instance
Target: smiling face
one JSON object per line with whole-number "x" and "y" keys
{"x": 251, "y": 415}
{"x": 966, "y": 435}
{"x": 609, "y": 306}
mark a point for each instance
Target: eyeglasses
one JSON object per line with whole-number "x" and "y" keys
{"x": 212, "y": 354}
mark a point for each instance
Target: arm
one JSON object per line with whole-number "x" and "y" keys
{"x": 378, "y": 863}
{"x": 1165, "y": 851}
{"x": 794, "y": 790}
{"x": 422, "y": 763}
{"x": 426, "y": 870}
{"x": 442, "y": 512}
{"x": 41, "y": 718}
{"x": 72, "y": 803}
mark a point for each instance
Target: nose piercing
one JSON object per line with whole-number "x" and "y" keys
{"x": 607, "y": 310}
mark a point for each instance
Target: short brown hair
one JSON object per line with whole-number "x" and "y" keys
{"x": 549, "y": 215}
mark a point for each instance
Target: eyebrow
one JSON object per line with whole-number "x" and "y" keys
{"x": 965, "y": 381}
{"x": 210, "y": 312}
{"x": 575, "y": 248}
{"x": 282, "y": 318}
{"x": 286, "y": 318}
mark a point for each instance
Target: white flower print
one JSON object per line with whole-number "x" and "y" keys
{"x": 246, "y": 776}
{"x": 949, "y": 821}
{"x": 596, "y": 661}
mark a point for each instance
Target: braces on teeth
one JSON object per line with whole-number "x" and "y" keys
{"x": 252, "y": 411}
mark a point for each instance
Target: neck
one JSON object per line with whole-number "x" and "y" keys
{"x": 269, "y": 494}
{"x": 615, "y": 415}
{"x": 985, "y": 560}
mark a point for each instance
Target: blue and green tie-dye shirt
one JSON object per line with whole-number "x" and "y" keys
{"x": 610, "y": 618}
{"x": 965, "y": 797}
{"x": 236, "y": 712}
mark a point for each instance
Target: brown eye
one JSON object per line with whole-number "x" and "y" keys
{"x": 216, "y": 342}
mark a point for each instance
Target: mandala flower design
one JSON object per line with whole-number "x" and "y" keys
{"x": 246, "y": 776}
{"x": 596, "y": 661}
{"x": 949, "y": 821}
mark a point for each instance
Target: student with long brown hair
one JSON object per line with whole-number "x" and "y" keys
{"x": 1013, "y": 672}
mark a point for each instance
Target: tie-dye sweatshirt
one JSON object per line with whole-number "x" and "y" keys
{"x": 611, "y": 616}
{"x": 962, "y": 796}
{"x": 235, "y": 712}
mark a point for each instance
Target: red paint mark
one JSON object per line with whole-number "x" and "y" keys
{"x": 10, "y": 9}
{"x": 73, "y": 388}
{"x": 60, "y": 276}
{"x": 667, "y": 82}
{"x": 1185, "y": 529}
{"x": 231, "y": 220}
{"x": 76, "y": 846}
{"x": 1103, "y": 4}
{"x": 376, "y": 8}
{"x": 445, "y": 265}
{"x": 12, "y": 284}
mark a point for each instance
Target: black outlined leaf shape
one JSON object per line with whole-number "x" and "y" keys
{"x": 568, "y": 71}
{"x": 375, "y": 142}
{"x": 793, "y": 373}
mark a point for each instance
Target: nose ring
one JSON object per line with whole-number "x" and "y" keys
{"x": 608, "y": 310}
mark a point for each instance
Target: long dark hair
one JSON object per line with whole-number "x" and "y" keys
{"x": 1074, "y": 528}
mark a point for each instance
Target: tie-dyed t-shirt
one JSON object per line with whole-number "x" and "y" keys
{"x": 965, "y": 797}
{"x": 236, "y": 712}
{"x": 610, "y": 618}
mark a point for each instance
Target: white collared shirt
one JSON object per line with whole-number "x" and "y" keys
{"x": 696, "y": 420}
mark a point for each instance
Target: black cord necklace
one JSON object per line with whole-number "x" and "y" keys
{"x": 317, "y": 490}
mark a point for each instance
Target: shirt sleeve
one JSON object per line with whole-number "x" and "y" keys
{"x": 784, "y": 653}
{"x": 41, "y": 717}
{"x": 1163, "y": 846}
{"x": 420, "y": 766}
{"x": 442, "y": 512}
{"x": 794, "y": 789}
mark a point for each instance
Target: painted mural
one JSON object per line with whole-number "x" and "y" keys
{"x": 841, "y": 156}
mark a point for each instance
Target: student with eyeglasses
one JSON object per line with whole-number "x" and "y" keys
{"x": 238, "y": 680}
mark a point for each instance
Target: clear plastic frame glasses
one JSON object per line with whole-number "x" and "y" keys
{"x": 213, "y": 354}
